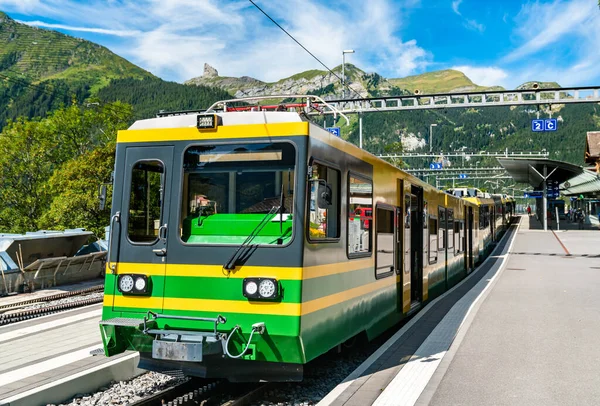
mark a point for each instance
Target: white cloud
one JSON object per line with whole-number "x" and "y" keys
{"x": 542, "y": 25}
{"x": 470, "y": 24}
{"x": 474, "y": 25}
{"x": 118, "y": 33}
{"x": 484, "y": 76}
{"x": 559, "y": 43}
{"x": 455, "y": 5}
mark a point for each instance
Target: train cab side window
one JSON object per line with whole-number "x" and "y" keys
{"x": 324, "y": 218}
{"x": 145, "y": 201}
{"x": 433, "y": 240}
{"x": 360, "y": 216}
{"x": 384, "y": 238}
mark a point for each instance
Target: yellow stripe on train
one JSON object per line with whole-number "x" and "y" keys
{"x": 245, "y": 271}
{"x": 222, "y": 132}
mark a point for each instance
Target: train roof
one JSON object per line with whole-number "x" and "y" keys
{"x": 229, "y": 118}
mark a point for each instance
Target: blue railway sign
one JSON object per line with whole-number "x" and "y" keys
{"x": 462, "y": 176}
{"x": 549, "y": 124}
{"x": 435, "y": 165}
{"x": 537, "y": 125}
{"x": 533, "y": 195}
{"x": 334, "y": 130}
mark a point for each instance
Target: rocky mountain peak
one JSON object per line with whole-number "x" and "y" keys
{"x": 209, "y": 72}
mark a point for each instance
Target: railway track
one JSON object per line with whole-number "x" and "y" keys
{"x": 198, "y": 391}
{"x": 12, "y": 313}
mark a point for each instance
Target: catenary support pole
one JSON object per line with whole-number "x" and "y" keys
{"x": 545, "y": 200}
{"x": 360, "y": 130}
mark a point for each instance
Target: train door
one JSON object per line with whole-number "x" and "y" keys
{"x": 398, "y": 255}
{"x": 416, "y": 244}
{"x": 470, "y": 225}
{"x": 464, "y": 237}
{"x": 139, "y": 230}
{"x": 408, "y": 260}
{"x": 493, "y": 223}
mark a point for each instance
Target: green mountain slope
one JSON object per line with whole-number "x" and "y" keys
{"x": 40, "y": 70}
{"x": 39, "y": 54}
{"x": 443, "y": 81}
{"x": 149, "y": 96}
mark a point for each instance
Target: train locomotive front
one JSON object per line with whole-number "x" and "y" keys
{"x": 205, "y": 261}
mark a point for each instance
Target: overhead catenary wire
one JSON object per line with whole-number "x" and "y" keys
{"x": 303, "y": 47}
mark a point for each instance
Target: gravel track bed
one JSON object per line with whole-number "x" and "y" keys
{"x": 323, "y": 374}
{"x": 125, "y": 392}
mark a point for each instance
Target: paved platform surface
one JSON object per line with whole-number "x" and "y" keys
{"x": 48, "y": 349}
{"x": 524, "y": 329}
{"x": 535, "y": 339}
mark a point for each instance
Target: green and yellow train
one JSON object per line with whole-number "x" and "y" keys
{"x": 245, "y": 244}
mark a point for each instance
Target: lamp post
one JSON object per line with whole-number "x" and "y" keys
{"x": 344, "y": 52}
{"x": 431, "y": 136}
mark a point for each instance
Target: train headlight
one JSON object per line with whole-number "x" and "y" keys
{"x": 140, "y": 283}
{"x": 125, "y": 283}
{"x": 267, "y": 288}
{"x": 261, "y": 289}
{"x": 134, "y": 284}
{"x": 251, "y": 288}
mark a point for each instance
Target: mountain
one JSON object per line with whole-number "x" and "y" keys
{"x": 40, "y": 70}
{"x": 39, "y": 55}
{"x": 318, "y": 82}
{"x": 443, "y": 81}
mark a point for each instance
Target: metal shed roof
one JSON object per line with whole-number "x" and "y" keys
{"x": 528, "y": 170}
{"x": 588, "y": 182}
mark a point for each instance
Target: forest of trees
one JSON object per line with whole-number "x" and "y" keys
{"x": 51, "y": 168}
{"x": 485, "y": 129}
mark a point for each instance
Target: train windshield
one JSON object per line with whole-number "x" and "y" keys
{"x": 228, "y": 190}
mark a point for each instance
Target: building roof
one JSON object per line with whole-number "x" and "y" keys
{"x": 529, "y": 170}
{"x": 586, "y": 183}
{"x": 592, "y": 149}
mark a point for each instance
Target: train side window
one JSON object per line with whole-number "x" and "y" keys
{"x": 384, "y": 240}
{"x": 145, "y": 201}
{"x": 458, "y": 245}
{"x": 433, "y": 239}
{"x": 324, "y": 203}
{"x": 450, "y": 229}
{"x": 442, "y": 228}
{"x": 360, "y": 216}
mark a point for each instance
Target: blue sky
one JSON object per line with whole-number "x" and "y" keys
{"x": 494, "y": 42}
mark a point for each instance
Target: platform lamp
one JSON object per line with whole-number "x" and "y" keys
{"x": 344, "y": 52}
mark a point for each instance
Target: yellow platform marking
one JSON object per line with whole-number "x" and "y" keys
{"x": 222, "y": 132}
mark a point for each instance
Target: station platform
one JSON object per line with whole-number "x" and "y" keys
{"x": 48, "y": 359}
{"x": 524, "y": 329}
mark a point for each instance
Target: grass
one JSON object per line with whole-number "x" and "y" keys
{"x": 443, "y": 81}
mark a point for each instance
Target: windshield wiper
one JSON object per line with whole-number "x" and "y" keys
{"x": 230, "y": 264}
{"x": 281, "y": 210}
